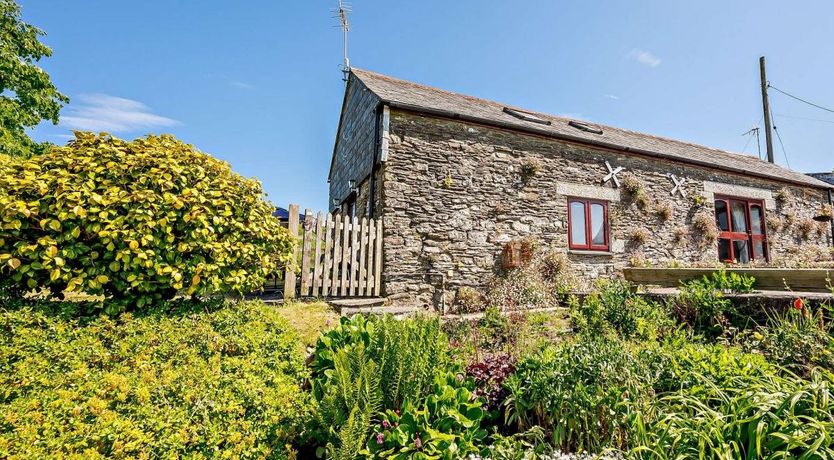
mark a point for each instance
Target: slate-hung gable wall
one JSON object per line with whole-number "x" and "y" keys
{"x": 355, "y": 146}
{"x": 454, "y": 194}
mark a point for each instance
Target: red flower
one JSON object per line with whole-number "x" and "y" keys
{"x": 798, "y": 304}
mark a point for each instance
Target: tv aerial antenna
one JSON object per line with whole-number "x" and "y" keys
{"x": 341, "y": 13}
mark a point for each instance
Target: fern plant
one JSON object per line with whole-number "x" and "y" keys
{"x": 367, "y": 366}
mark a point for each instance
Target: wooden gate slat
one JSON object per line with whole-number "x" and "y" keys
{"x": 328, "y": 256}
{"x": 346, "y": 227}
{"x": 363, "y": 257}
{"x": 317, "y": 243}
{"x": 289, "y": 274}
{"x": 305, "y": 253}
{"x": 354, "y": 253}
{"x": 369, "y": 271}
{"x": 337, "y": 256}
{"x": 378, "y": 259}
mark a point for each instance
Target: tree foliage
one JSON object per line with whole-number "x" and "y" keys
{"x": 27, "y": 94}
{"x": 136, "y": 221}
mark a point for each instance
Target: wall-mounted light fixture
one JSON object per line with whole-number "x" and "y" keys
{"x": 352, "y": 186}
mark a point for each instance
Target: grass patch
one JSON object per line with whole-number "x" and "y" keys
{"x": 308, "y": 319}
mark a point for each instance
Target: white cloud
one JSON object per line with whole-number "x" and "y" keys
{"x": 644, "y": 57}
{"x": 240, "y": 84}
{"x": 611, "y": 96}
{"x": 101, "y": 112}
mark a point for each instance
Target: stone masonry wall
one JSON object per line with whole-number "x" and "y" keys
{"x": 454, "y": 195}
{"x": 356, "y": 142}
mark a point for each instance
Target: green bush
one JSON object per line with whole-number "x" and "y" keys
{"x": 702, "y": 305}
{"x": 136, "y": 221}
{"x": 582, "y": 394}
{"x": 614, "y": 308}
{"x": 366, "y": 367}
{"x": 198, "y": 382}
{"x": 798, "y": 339}
{"x": 682, "y": 364}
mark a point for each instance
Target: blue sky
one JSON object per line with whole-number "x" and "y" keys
{"x": 259, "y": 85}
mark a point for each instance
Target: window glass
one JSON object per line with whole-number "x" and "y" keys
{"x": 742, "y": 251}
{"x": 721, "y": 219}
{"x": 739, "y": 214}
{"x": 759, "y": 250}
{"x": 742, "y": 238}
{"x": 597, "y": 224}
{"x": 756, "y": 219}
{"x": 724, "y": 254}
{"x": 577, "y": 223}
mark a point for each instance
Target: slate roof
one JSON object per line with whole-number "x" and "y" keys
{"x": 425, "y": 99}
{"x": 284, "y": 215}
{"x": 825, "y": 177}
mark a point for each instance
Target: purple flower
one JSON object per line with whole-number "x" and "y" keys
{"x": 418, "y": 443}
{"x": 379, "y": 438}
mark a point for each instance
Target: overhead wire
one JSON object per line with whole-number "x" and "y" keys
{"x": 804, "y": 101}
{"x": 800, "y": 99}
{"x": 749, "y": 138}
{"x": 782, "y": 115}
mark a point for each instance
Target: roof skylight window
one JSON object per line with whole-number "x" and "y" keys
{"x": 585, "y": 127}
{"x": 526, "y": 116}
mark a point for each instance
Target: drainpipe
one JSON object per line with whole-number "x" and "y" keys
{"x": 369, "y": 212}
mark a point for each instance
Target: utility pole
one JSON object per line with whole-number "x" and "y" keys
{"x": 766, "y": 109}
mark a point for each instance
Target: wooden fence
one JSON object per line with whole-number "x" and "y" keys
{"x": 338, "y": 256}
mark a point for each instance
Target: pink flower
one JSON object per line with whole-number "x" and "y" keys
{"x": 379, "y": 439}
{"x": 418, "y": 443}
{"x": 385, "y": 424}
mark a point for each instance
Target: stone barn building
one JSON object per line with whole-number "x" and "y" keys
{"x": 456, "y": 179}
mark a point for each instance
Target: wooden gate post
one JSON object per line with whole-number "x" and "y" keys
{"x": 289, "y": 272}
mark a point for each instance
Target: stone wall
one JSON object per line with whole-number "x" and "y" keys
{"x": 356, "y": 142}
{"x": 455, "y": 193}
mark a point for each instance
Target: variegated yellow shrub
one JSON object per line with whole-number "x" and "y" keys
{"x": 136, "y": 221}
{"x": 178, "y": 381}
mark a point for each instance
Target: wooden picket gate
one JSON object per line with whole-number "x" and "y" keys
{"x": 338, "y": 256}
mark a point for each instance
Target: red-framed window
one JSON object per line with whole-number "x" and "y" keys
{"x": 742, "y": 234}
{"x": 588, "y": 224}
